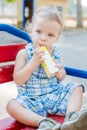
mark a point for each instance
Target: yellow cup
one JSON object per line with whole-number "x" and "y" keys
{"x": 48, "y": 64}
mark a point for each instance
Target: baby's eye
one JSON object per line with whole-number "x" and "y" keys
{"x": 51, "y": 35}
{"x": 38, "y": 31}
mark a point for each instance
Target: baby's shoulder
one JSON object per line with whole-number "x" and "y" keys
{"x": 22, "y": 53}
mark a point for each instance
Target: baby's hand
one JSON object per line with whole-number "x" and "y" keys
{"x": 61, "y": 72}
{"x": 57, "y": 74}
{"x": 38, "y": 56}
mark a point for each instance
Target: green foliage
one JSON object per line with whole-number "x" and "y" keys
{"x": 11, "y": 0}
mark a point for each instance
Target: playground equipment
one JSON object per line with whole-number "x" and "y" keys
{"x": 7, "y": 57}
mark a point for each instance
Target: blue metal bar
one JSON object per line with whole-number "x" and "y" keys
{"x": 33, "y": 6}
{"x": 15, "y": 31}
{"x": 80, "y": 73}
{"x": 24, "y": 6}
{"x": 23, "y": 22}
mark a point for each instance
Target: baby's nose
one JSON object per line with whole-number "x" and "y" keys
{"x": 43, "y": 37}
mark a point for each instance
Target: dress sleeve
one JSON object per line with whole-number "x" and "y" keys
{"x": 57, "y": 54}
{"x": 30, "y": 50}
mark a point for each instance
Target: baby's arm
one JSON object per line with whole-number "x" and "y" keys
{"x": 23, "y": 70}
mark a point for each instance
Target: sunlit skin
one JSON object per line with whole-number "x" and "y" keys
{"x": 44, "y": 32}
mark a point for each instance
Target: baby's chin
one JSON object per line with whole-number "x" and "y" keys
{"x": 38, "y": 46}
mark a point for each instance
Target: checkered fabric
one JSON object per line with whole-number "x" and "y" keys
{"x": 44, "y": 95}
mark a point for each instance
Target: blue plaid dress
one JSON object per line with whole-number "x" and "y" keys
{"x": 44, "y": 95}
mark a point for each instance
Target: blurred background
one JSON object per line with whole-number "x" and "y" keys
{"x": 19, "y": 12}
{"x": 73, "y": 39}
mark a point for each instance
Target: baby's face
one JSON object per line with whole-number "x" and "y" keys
{"x": 45, "y": 32}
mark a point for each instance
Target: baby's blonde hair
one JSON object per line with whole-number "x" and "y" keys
{"x": 49, "y": 12}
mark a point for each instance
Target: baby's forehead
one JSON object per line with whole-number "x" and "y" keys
{"x": 45, "y": 15}
{"x": 45, "y": 21}
{"x": 46, "y": 25}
